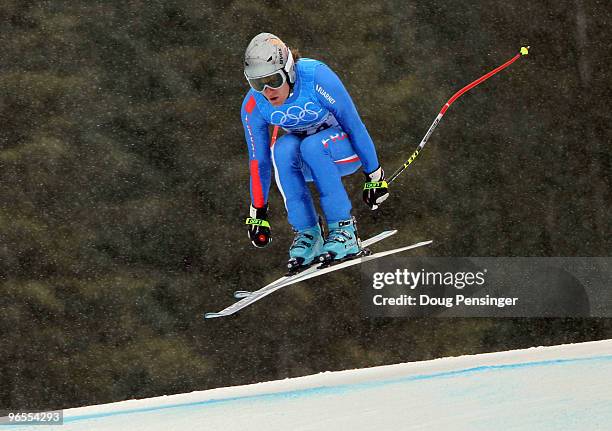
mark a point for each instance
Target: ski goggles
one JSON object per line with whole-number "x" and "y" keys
{"x": 274, "y": 81}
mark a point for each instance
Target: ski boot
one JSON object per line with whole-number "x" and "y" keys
{"x": 306, "y": 246}
{"x": 342, "y": 242}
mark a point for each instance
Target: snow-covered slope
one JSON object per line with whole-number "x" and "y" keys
{"x": 565, "y": 387}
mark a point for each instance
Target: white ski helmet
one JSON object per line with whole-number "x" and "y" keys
{"x": 267, "y": 55}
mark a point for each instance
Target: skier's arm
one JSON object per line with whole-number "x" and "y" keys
{"x": 258, "y": 143}
{"x": 332, "y": 94}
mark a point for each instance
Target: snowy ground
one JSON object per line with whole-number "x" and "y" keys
{"x": 549, "y": 388}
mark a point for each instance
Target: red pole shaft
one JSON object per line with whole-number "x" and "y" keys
{"x": 483, "y": 78}
{"x": 274, "y": 133}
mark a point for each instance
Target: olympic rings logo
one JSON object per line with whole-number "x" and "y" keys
{"x": 295, "y": 115}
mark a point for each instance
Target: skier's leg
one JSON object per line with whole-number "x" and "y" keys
{"x": 290, "y": 180}
{"x": 329, "y": 155}
{"x": 302, "y": 216}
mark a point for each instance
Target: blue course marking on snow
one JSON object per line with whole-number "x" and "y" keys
{"x": 338, "y": 389}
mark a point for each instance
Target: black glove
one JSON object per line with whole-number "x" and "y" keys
{"x": 259, "y": 228}
{"x": 376, "y": 189}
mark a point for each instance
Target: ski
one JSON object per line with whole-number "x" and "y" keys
{"x": 307, "y": 274}
{"x": 239, "y": 294}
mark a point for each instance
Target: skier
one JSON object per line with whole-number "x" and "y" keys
{"x": 325, "y": 140}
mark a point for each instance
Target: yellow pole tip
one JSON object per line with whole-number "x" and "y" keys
{"x": 524, "y": 50}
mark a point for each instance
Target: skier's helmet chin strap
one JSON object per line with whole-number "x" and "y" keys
{"x": 290, "y": 69}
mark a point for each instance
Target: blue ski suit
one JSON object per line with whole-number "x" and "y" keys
{"x": 325, "y": 140}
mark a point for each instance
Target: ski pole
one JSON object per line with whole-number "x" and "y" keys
{"x": 523, "y": 51}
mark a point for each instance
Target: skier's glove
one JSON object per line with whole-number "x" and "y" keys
{"x": 376, "y": 189}
{"x": 259, "y": 227}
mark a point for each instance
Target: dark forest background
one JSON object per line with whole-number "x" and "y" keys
{"x": 124, "y": 183}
